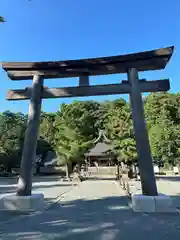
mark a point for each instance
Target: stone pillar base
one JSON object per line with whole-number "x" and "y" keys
{"x": 12, "y": 202}
{"x": 160, "y": 203}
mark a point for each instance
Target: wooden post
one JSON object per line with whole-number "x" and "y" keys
{"x": 84, "y": 81}
{"x": 148, "y": 181}
{"x": 85, "y": 90}
{"x": 30, "y": 142}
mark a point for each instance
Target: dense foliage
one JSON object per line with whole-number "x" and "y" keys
{"x": 12, "y": 129}
{"x": 71, "y": 131}
{"x": 2, "y": 19}
{"x": 75, "y": 129}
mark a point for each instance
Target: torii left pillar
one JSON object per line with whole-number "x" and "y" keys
{"x": 31, "y": 136}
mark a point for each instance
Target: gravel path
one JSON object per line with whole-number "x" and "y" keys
{"x": 93, "y": 210}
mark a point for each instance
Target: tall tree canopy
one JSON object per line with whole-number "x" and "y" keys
{"x": 120, "y": 130}
{"x": 75, "y": 129}
{"x": 47, "y": 130}
{"x": 72, "y": 129}
{"x": 2, "y": 20}
{"x": 163, "y": 121}
{"x": 12, "y": 129}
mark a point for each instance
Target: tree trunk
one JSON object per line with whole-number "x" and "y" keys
{"x": 79, "y": 168}
{"x": 9, "y": 168}
{"x": 38, "y": 166}
{"x": 67, "y": 171}
{"x": 8, "y": 165}
{"x": 73, "y": 166}
{"x": 118, "y": 171}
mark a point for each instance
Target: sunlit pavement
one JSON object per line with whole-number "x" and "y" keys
{"x": 168, "y": 185}
{"x": 93, "y": 210}
{"x": 52, "y": 187}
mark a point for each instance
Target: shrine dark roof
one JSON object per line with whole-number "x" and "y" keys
{"x": 100, "y": 149}
{"x": 142, "y": 61}
{"x": 101, "y": 145}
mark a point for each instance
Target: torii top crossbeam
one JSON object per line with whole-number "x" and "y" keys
{"x": 143, "y": 61}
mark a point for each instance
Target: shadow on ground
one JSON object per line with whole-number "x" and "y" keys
{"x": 101, "y": 178}
{"x": 107, "y": 219}
{"x": 51, "y": 191}
{"x": 168, "y": 178}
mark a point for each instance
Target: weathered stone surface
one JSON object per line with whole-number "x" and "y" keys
{"x": 12, "y": 202}
{"x": 160, "y": 203}
{"x": 142, "y": 203}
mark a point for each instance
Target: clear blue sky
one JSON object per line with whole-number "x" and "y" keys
{"x": 40, "y": 30}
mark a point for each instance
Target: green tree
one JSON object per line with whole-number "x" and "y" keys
{"x": 101, "y": 114}
{"x": 82, "y": 117}
{"x": 75, "y": 130}
{"x": 71, "y": 146}
{"x": 120, "y": 130}
{"x": 2, "y": 20}
{"x": 12, "y": 129}
{"x": 165, "y": 142}
{"x": 163, "y": 121}
{"x": 159, "y": 106}
{"x": 47, "y": 129}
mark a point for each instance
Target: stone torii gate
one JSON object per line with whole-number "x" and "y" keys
{"x": 130, "y": 64}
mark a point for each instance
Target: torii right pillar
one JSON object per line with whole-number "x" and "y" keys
{"x": 147, "y": 176}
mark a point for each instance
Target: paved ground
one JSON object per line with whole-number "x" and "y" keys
{"x": 166, "y": 184}
{"x": 93, "y": 210}
{"x": 52, "y": 187}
